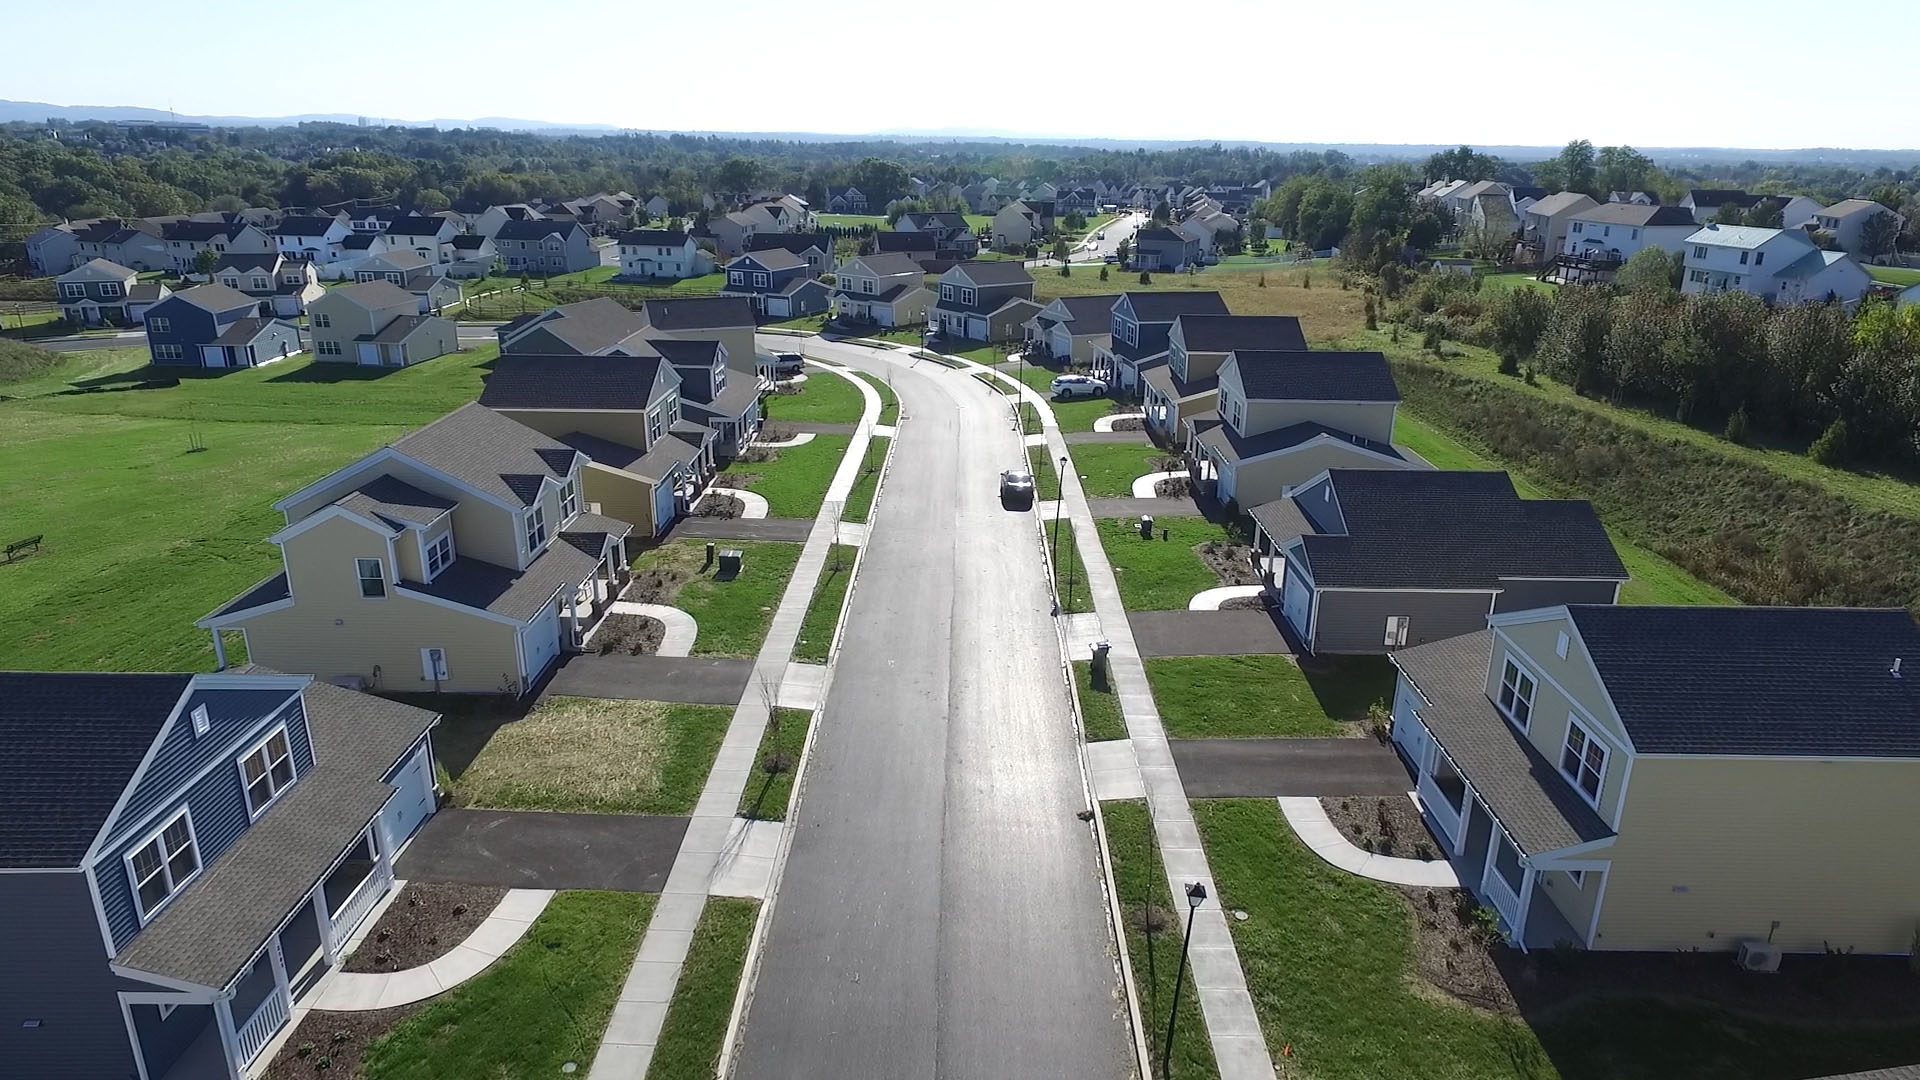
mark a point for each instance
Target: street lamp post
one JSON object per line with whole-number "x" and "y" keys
{"x": 1196, "y": 895}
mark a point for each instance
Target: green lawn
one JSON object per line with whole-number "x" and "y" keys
{"x": 1076, "y": 415}
{"x": 825, "y": 398}
{"x": 1156, "y": 574}
{"x": 1258, "y": 697}
{"x": 689, "y": 1047}
{"x": 1654, "y": 579}
{"x": 1895, "y": 275}
{"x": 898, "y": 335}
{"x": 795, "y": 482}
{"x": 583, "y": 756}
{"x": 823, "y": 612}
{"x": 542, "y": 1005}
{"x": 1099, "y": 704}
{"x": 30, "y": 325}
{"x": 1046, "y": 474}
{"x": 852, "y": 221}
{"x": 1141, "y": 883}
{"x": 1516, "y": 279}
{"x": 859, "y": 504}
{"x": 889, "y": 401}
{"x": 767, "y": 793}
{"x": 733, "y": 615}
{"x": 1108, "y": 470}
{"x": 1069, "y": 572}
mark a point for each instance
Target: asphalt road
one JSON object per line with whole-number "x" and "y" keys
{"x": 941, "y": 912}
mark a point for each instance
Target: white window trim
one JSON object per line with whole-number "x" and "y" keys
{"x": 133, "y": 878}
{"x": 73, "y": 290}
{"x": 1396, "y": 630}
{"x": 360, "y": 580}
{"x": 445, "y": 538}
{"x": 161, "y": 324}
{"x": 535, "y": 522}
{"x": 240, "y": 763}
{"x": 1588, "y": 740}
{"x": 1520, "y": 672}
{"x": 569, "y": 499}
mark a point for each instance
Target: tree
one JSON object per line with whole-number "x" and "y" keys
{"x": 1622, "y": 168}
{"x": 736, "y": 174}
{"x": 205, "y": 261}
{"x": 1257, "y": 234}
{"x": 1326, "y": 209}
{"x": 1123, "y": 249}
{"x": 1649, "y": 271}
{"x": 880, "y": 180}
{"x": 1463, "y": 163}
{"x": 433, "y": 200}
{"x": 1383, "y": 204}
{"x": 1765, "y": 214}
{"x": 1878, "y": 235}
{"x": 1730, "y": 214}
{"x": 1060, "y": 249}
{"x": 1574, "y": 348}
{"x": 1517, "y": 320}
{"x": 1571, "y": 170}
{"x": 1162, "y": 213}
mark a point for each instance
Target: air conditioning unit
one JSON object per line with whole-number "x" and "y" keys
{"x": 1759, "y": 956}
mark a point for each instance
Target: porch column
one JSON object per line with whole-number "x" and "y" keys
{"x": 1526, "y": 900}
{"x": 1494, "y": 840}
{"x": 573, "y": 617}
{"x": 281, "y": 983}
{"x": 325, "y": 921}
{"x": 219, "y": 650}
{"x": 229, "y": 1036}
{"x": 1466, "y": 818}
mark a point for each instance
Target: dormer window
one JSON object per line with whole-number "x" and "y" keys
{"x": 267, "y": 770}
{"x": 163, "y": 865}
{"x": 570, "y": 499}
{"x": 1516, "y": 694}
{"x": 439, "y": 555}
{"x": 536, "y": 529}
{"x": 1233, "y": 413}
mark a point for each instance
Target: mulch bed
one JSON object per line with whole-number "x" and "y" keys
{"x": 655, "y": 586}
{"x": 719, "y": 506}
{"x": 634, "y": 635}
{"x": 1229, "y": 562}
{"x": 423, "y": 924}
{"x": 1382, "y": 824}
{"x": 1131, "y": 423}
{"x": 1246, "y": 603}
{"x": 331, "y": 1045}
{"x": 1173, "y": 487}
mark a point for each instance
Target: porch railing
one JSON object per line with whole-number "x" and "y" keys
{"x": 1435, "y": 801}
{"x": 359, "y": 902}
{"x": 1501, "y": 895}
{"x": 268, "y": 1018}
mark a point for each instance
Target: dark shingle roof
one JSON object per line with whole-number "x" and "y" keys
{"x": 69, "y": 744}
{"x": 1634, "y": 214}
{"x": 1811, "y": 682}
{"x": 470, "y": 242}
{"x": 1153, "y": 307}
{"x": 771, "y": 259}
{"x": 654, "y": 237}
{"x": 534, "y": 381}
{"x": 1237, "y": 448}
{"x": 1226, "y": 333}
{"x": 489, "y": 452}
{"x": 403, "y": 327}
{"x": 516, "y": 594}
{"x": 1315, "y": 376}
{"x": 587, "y": 326}
{"x": 244, "y": 331}
{"x": 990, "y": 272}
{"x": 1704, "y": 197}
{"x": 699, "y": 313}
{"x": 655, "y": 464}
{"x": 534, "y": 230}
{"x": 698, "y": 353}
{"x": 795, "y": 242}
{"x": 1090, "y": 314}
{"x": 890, "y": 263}
{"x": 1534, "y": 803}
{"x": 416, "y": 226}
{"x": 270, "y": 591}
{"x": 214, "y": 297}
{"x": 891, "y": 241}
{"x": 234, "y": 260}
{"x": 375, "y": 294}
{"x": 1425, "y": 529}
{"x": 199, "y": 231}
{"x": 304, "y": 226}
{"x": 395, "y": 501}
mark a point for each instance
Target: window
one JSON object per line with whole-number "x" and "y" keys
{"x": 109, "y": 288}
{"x": 966, "y": 296}
{"x": 321, "y": 320}
{"x": 1635, "y": 234}
{"x": 373, "y": 578}
{"x": 163, "y": 865}
{"x": 536, "y": 529}
{"x": 946, "y": 292}
{"x": 570, "y": 499}
{"x": 736, "y": 277}
{"x": 1759, "y": 257}
{"x": 1233, "y": 413}
{"x": 326, "y": 347}
{"x": 1516, "y": 694}
{"x": 439, "y": 554}
{"x": 654, "y": 426}
{"x": 1578, "y": 878}
{"x": 1606, "y": 230}
{"x": 230, "y": 282}
{"x": 267, "y": 770}
{"x": 1699, "y": 251}
{"x": 1584, "y": 761}
{"x": 1697, "y": 276}
{"x": 158, "y": 326}
{"x": 262, "y": 284}
{"x": 168, "y": 352}
{"x": 1397, "y": 630}
{"x": 866, "y": 285}
{"x": 1579, "y": 226}
{"x": 1743, "y": 258}
{"x": 72, "y": 289}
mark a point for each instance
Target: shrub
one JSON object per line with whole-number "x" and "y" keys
{"x": 1431, "y": 338}
{"x": 1831, "y": 447}
{"x": 1146, "y": 278}
{"x": 1737, "y": 426}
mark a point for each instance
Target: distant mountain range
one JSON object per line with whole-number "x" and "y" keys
{"x": 39, "y": 111}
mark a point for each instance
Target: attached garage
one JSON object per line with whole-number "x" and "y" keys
{"x": 1296, "y": 601}
{"x": 540, "y": 642}
{"x": 413, "y": 803}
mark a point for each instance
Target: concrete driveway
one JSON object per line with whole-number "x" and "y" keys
{"x": 1267, "y": 768}
{"x": 1239, "y": 632}
{"x": 529, "y": 850}
{"x": 689, "y": 680}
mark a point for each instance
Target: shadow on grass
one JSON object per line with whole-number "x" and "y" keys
{"x": 467, "y": 724}
{"x": 1347, "y": 687}
{"x": 330, "y": 371}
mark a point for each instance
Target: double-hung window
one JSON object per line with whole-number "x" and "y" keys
{"x": 163, "y": 865}
{"x": 570, "y": 499}
{"x": 759, "y": 280}
{"x": 966, "y": 296}
{"x": 736, "y": 277}
{"x": 373, "y": 577}
{"x": 1516, "y": 694}
{"x": 267, "y": 770}
{"x": 164, "y": 351}
{"x": 73, "y": 290}
{"x": 439, "y": 554}
{"x": 158, "y": 326}
{"x": 536, "y": 529}
{"x": 1584, "y": 761}
{"x": 109, "y": 288}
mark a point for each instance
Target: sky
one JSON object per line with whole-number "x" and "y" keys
{"x": 1736, "y": 73}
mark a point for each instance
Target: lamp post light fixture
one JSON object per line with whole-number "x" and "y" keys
{"x": 1196, "y": 895}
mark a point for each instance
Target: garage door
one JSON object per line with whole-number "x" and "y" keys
{"x": 1060, "y": 341}
{"x": 414, "y": 802}
{"x": 1296, "y": 603}
{"x": 542, "y": 643}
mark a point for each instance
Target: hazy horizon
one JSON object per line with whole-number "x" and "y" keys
{"x": 1716, "y": 73}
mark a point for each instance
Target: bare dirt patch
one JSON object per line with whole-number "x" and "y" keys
{"x": 1384, "y": 825}
{"x": 635, "y": 635}
{"x": 1246, "y": 603}
{"x": 331, "y": 1045}
{"x": 1230, "y": 562}
{"x": 715, "y": 505}
{"x": 423, "y": 924}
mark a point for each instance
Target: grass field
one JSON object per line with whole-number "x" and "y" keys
{"x": 859, "y": 504}
{"x": 1069, "y": 572}
{"x": 823, "y": 611}
{"x": 1156, "y": 574}
{"x": 689, "y": 1047}
{"x": 795, "y": 482}
{"x": 1099, "y": 705}
{"x": 1326, "y": 311}
{"x": 1108, "y": 470}
{"x": 1254, "y": 697}
{"x": 768, "y": 792}
{"x": 585, "y": 756}
{"x": 1517, "y": 279}
{"x": 733, "y": 615}
{"x": 889, "y": 401}
{"x": 1046, "y": 474}
{"x": 1895, "y": 275}
{"x": 853, "y": 221}
{"x": 542, "y": 1005}
{"x": 1141, "y": 885}
{"x": 825, "y": 398}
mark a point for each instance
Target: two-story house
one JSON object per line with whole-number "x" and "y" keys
{"x": 1672, "y": 779}
{"x": 315, "y": 238}
{"x": 711, "y": 393}
{"x": 433, "y": 291}
{"x": 98, "y": 292}
{"x": 1286, "y": 417}
{"x": 1781, "y": 266}
{"x": 431, "y": 238}
{"x": 473, "y": 255}
{"x": 129, "y": 243}
{"x": 728, "y": 320}
{"x": 183, "y": 856}
{"x": 1021, "y": 223}
{"x": 284, "y": 286}
{"x": 461, "y": 558}
{"x": 1374, "y": 559}
{"x": 662, "y": 253}
{"x": 1847, "y": 221}
{"x": 888, "y": 289}
{"x": 487, "y": 223}
{"x": 376, "y": 324}
{"x": 1140, "y": 324}
{"x": 1543, "y": 229}
{"x": 1164, "y": 249}
{"x": 213, "y": 326}
{"x": 1071, "y": 329}
{"x": 1704, "y": 205}
{"x": 732, "y": 232}
{"x": 644, "y": 461}
{"x": 599, "y": 327}
{"x": 187, "y": 238}
{"x": 778, "y": 283}
{"x": 814, "y": 247}
{"x": 54, "y": 249}
{"x": 1616, "y": 232}
{"x": 846, "y": 200}
{"x": 983, "y": 301}
{"x": 1187, "y": 385}
{"x": 953, "y": 239}
{"x": 544, "y": 247}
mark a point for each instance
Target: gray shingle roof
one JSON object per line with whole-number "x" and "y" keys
{"x": 989, "y": 272}
{"x": 395, "y": 501}
{"x": 244, "y": 331}
{"x": 770, "y": 259}
{"x": 1422, "y": 528}
{"x": 1238, "y": 448}
{"x": 489, "y": 452}
{"x": 1226, "y": 333}
{"x": 1795, "y": 682}
{"x": 214, "y": 297}
{"x": 304, "y": 226}
{"x": 890, "y": 241}
{"x": 590, "y": 533}
{"x": 1154, "y": 307}
{"x": 1090, "y": 314}
{"x": 1635, "y": 214}
{"x": 103, "y": 267}
{"x": 654, "y": 237}
{"x": 1316, "y": 376}
{"x": 729, "y": 404}
{"x": 534, "y": 230}
{"x": 531, "y": 381}
{"x": 375, "y": 294}
{"x": 516, "y": 594}
{"x": 890, "y": 263}
{"x": 687, "y": 353}
{"x": 403, "y": 327}
{"x": 238, "y": 260}
{"x": 587, "y": 326}
{"x": 700, "y": 313}
{"x": 69, "y": 744}
{"x": 416, "y": 226}
{"x": 1534, "y": 803}
{"x": 271, "y": 590}
{"x": 654, "y": 464}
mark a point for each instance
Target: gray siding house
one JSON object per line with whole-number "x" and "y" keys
{"x": 544, "y": 247}
{"x": 183, "y": 856}
{"x": 1372, "y": 560}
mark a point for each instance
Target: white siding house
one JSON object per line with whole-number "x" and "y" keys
{"x": 1781, "y": 266}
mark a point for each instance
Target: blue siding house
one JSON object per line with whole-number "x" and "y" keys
{"x": 184, "y": 856}
{"x": 780, "y": 284}
{"x": 213, "y": 326}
